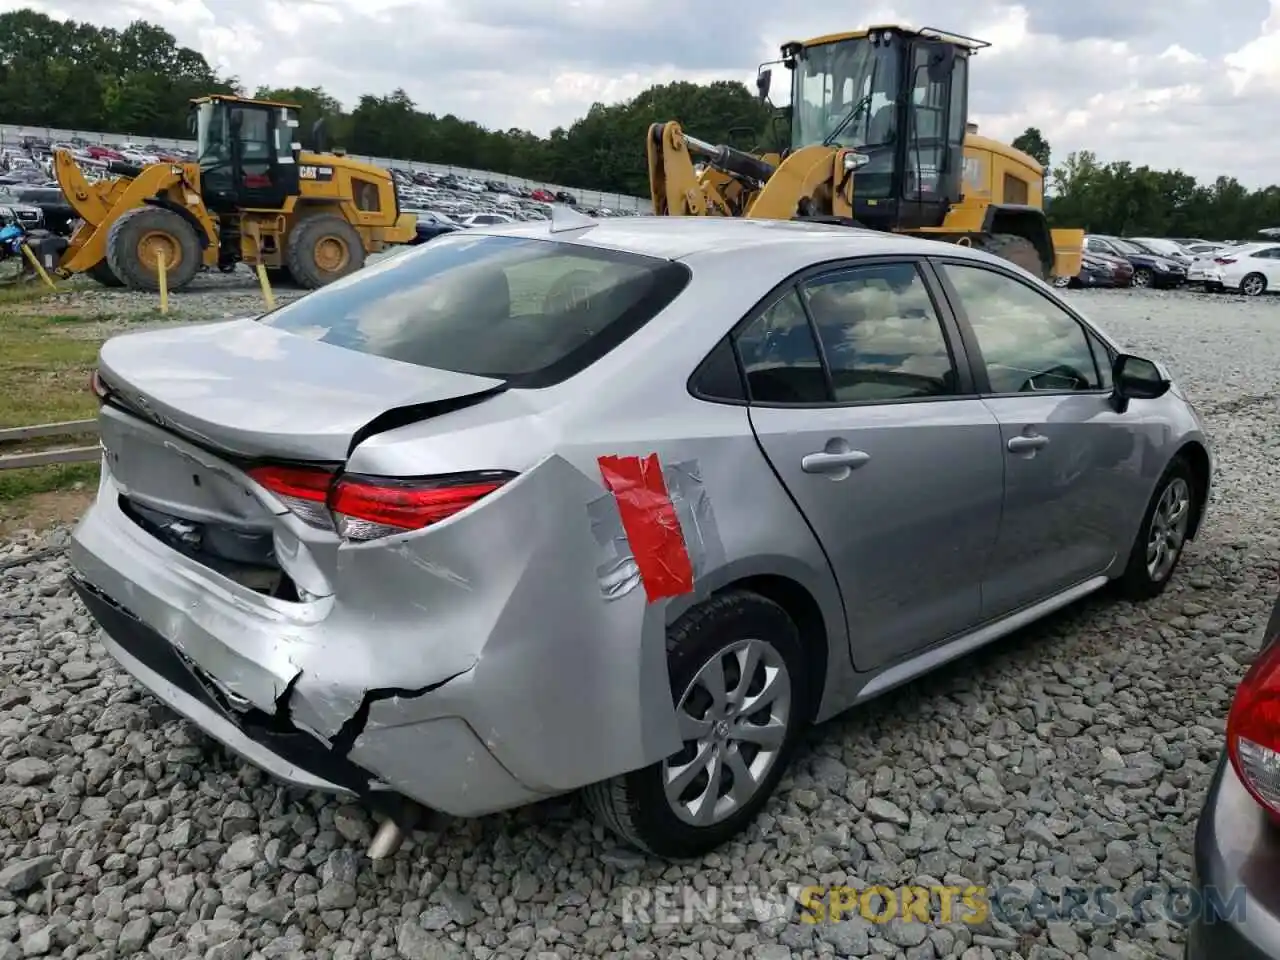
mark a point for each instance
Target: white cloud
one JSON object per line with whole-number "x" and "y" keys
{"x": 1182, "y": 83}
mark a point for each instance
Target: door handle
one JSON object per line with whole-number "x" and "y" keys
{"x": 1027, "y": 444}
{"x": 830, "y": 462}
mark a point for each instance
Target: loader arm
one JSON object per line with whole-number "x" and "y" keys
{"x": 674, "y": 185}
{"x": 815, "y": 173}
{"x": 99, "y": 205}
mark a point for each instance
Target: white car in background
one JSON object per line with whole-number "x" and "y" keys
{"x": 1252, "y": 269}
{"x": 1203, "y": 253}
{"x": 485, "y": 219}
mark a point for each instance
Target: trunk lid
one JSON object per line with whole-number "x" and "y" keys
{"x": 255, "y": 391}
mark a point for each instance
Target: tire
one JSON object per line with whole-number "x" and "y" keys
{"x": 138, "y": 235}
{"x": 1253, "y": 285}
{"x": 1017, "y": 250}
{"x": 101, "y": 271}
{"x": 1142, "y": 277}
{"x": 311, "y": 244}
{"x": 1139, "y": 580}
{"x": 635, "y": 805}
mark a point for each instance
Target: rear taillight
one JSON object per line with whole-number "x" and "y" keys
{"x": 96, "y": 386}
{"x": 1224, "y": 260}
{"x": 304, "y": 490}
{"x": 1253, "y": 730}
{"x": 365, "y": 508}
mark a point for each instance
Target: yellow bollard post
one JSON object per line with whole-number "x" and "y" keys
{"x": 162, "y": 273}
{"x": 35, "y": 262}
{"x": 265, "y": 283}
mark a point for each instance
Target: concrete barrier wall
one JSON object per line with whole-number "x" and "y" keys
{"x": 12, "y": 136}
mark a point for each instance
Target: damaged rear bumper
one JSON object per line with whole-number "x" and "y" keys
{"x": 469, "y": 781}
{"x": 234, "y": 663}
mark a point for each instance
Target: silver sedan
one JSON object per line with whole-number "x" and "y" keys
{"x": 621, "y": 505}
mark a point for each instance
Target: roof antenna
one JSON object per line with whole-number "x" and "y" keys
{"x": 566, "y": 218}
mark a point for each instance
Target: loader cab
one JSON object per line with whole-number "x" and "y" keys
{"x": 246, "y": 151}
{"x": 898, "y": 96}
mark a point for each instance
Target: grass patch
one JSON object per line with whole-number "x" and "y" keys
{"x": 44, "y": 372}
{"x": 19, "y": 484}
{"x": 16, "y": 293}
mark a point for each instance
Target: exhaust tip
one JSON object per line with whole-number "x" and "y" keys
{"x": 391, "y": 832}
{"x": 386, "y": 841}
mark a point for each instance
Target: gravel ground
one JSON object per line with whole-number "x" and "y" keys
{"x": 1074, "y": 754}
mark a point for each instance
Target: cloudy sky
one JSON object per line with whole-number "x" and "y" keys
{"x": 1173, "y": 83}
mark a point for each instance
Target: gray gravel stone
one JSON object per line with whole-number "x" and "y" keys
{"x": 1077, "y": 755}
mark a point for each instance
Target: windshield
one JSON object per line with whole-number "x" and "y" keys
{"x": 831, "y": 80}
{"x": 531, "y": 312}
{"x": 1124, "y": 246}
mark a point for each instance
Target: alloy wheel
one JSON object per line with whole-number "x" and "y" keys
{"x": 733, "y": 718}
{"x": 1168, "y": 529}
{"x": 1252, "y": 286}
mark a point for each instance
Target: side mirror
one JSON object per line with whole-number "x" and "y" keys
{"x": 763, "y": 79}
{"x": 1136, "y": 378}
{"x": 854, "y": 161}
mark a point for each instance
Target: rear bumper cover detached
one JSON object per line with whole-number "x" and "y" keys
{"x": 292, "y": 755}
{"x": 457, "y": 681}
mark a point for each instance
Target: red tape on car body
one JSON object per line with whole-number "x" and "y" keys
{"x": 650, "y": 521}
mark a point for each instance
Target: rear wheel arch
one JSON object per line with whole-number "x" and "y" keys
{"x": 806, "y": 614}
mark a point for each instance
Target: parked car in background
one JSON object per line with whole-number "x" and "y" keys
{"x": 57, "y": 212}
{"x": 432, "y": 224}
{"x": 1198, "y": 247}
{"x": 619, "y": 508}
{"x": 1237, "y": 842}
{"x": 1163, "y": 248}
{"x": 1149, "y": 269}
{"x": 1252, "y": 269}
{"x": 13, "y": 210}
{"x": 1099, "y": 270}
{"x": 485, "y": 219}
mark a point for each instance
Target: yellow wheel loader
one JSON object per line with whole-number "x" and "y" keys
{"x": 879, "y": 138}
{"x": 252, "y": 196}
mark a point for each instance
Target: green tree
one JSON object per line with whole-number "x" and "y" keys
{"x": 1032, "y": 141}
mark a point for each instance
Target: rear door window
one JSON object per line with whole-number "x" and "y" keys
{"x": 530, "y": 312}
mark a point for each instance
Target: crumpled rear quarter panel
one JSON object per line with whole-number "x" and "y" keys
{"x": 507, "y": 595}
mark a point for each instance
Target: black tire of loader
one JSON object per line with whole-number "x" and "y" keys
{"x": 1014, "y": 248}
{"x": 101, "y": 271}
{"x": 300, "y": 256}
{"x": 122, "y": 248}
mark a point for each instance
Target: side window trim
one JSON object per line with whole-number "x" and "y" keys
{"x": 797, "y": 291}
{"x": 1105, "y": 374}
{"x": 966, "y": 385}
{"x": 976, "y": 362}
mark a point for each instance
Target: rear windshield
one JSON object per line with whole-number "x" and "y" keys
{"x": 530, "y": 312}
